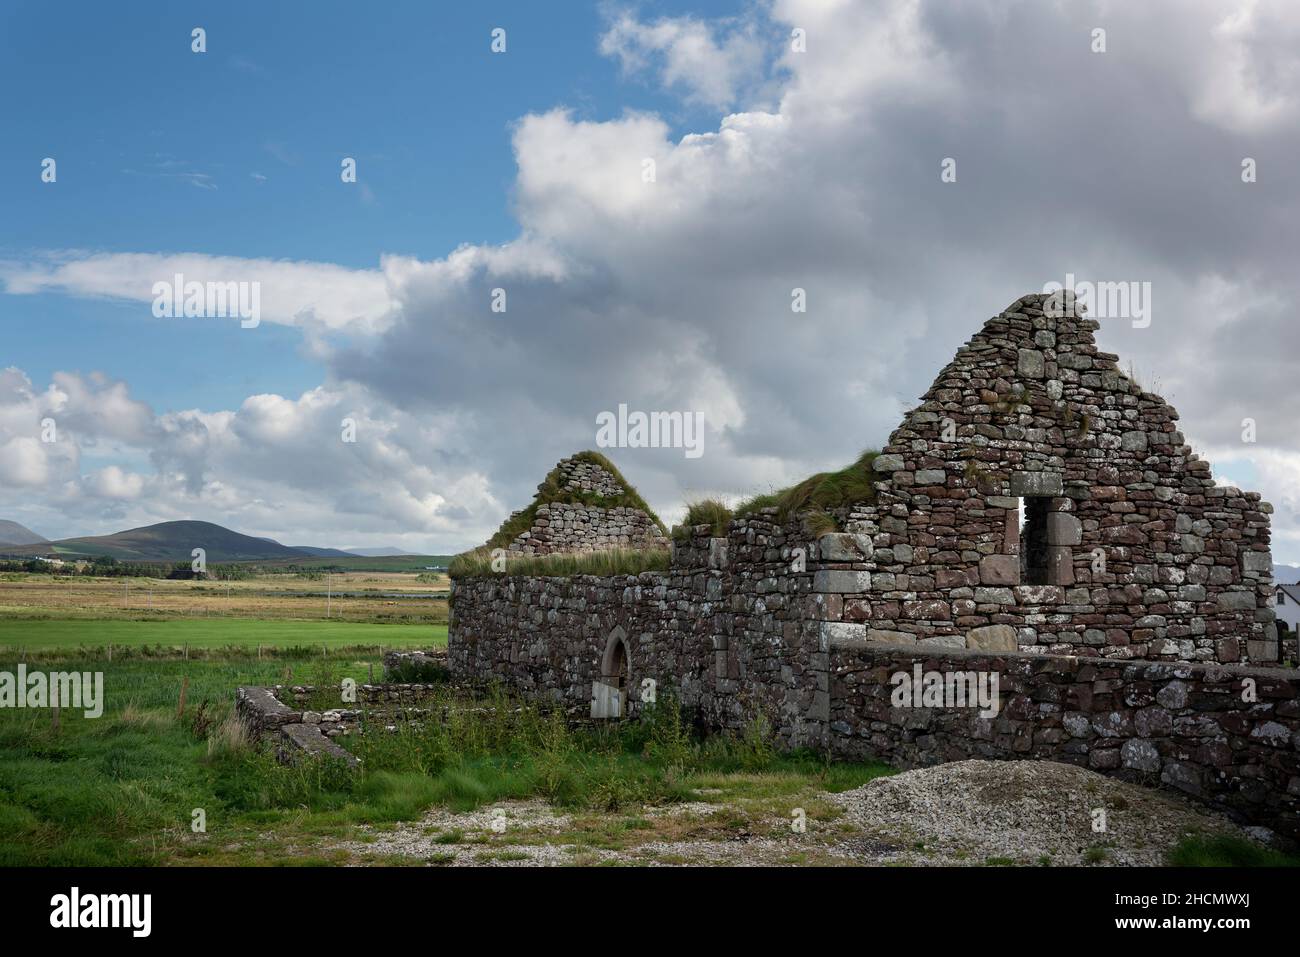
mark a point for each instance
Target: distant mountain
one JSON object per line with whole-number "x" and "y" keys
{"x": 1286, "y": 574}
{"x": 167, "y": 542}
{"x": 11, "y": 533}
{"x": 378, "y": 552}
{"x": 325, "y": 552}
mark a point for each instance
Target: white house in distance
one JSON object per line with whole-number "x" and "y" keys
{"x": 1287, "y": 602}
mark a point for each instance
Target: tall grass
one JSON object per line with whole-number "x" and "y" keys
{"x": 229, "y": 738}
{"x": 708, "y": 511}
{"x": 615, "y": 561}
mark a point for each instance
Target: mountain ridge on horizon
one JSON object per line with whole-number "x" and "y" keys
{"x": 12, "y": 533}
{"x": 164, "y": 541}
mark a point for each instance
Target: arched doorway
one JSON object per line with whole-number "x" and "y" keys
{"x": 609, "y": 691}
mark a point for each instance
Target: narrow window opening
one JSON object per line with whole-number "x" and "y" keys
{"x": 1033, "y": 541}
{"x": 618, "y": 675}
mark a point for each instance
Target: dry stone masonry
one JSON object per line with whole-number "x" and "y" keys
{"x": 560, "y": 527}
{"x": 1186, "y": 726}
{"x": 1129, "y": 548}
{"x": 1038, "y": 515}
{"x": 296, "y": 733}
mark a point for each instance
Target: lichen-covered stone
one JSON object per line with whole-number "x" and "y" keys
{"x": 991, "y": 638}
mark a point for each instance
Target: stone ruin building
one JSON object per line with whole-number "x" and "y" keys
{"x": 585, "y": 523}
{"x": 1037, "y": 516}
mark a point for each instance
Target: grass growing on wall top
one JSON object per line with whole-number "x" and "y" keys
{"x": 551, "y": 492}
{"x": 614, "y": 561}
{"x": 851, "y": 485}
{"x": 709, "y": 511}
{"x": 815, "y": 497}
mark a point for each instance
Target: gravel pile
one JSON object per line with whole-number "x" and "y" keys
{"x": 1026, "y": 812}
{"x": 964, "y": 813}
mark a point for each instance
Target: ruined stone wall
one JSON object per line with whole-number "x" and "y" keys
{"x": 1226, "y": 735}
{"x": 728, "y": 631}
{"x": 561, "y": 528}
{"x": 738, "y": 630}
{"x": 295, "y": 733}
{"x": 579, "y": 475}
{"x": 586, "y": 525}
{"x": 1138, "y": 554}
{"x": 1143, "y": 555}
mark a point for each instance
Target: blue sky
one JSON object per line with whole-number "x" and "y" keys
{"x": 237, "y": 151}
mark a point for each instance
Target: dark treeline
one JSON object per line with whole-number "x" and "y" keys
{"x": 106, "y": 566}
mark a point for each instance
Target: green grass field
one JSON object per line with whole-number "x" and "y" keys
{"x": 207, "y": 633}
{"x": 122, "y": 789}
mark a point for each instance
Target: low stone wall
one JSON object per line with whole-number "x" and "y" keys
{"x": 545, "y": 638}
{"x": 295, "y": 732}
{"x": 403, "y": 666}
{"x": 396, "y": 694}
{"x": 262, "y": 711}
{"x": 1227, "y": 735}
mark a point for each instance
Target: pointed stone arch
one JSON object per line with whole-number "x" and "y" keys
{"x": 617, "y": 659}
{"x": 609, "y": 691}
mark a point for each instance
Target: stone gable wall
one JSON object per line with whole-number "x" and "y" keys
{"x": 561, "y": 528}
{"x": 1030, "y": 408}
{"x": 579, "y": 475}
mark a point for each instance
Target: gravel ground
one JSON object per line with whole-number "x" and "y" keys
{"x": 964, "y": 813}
{"x": 1025, "y": 812}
